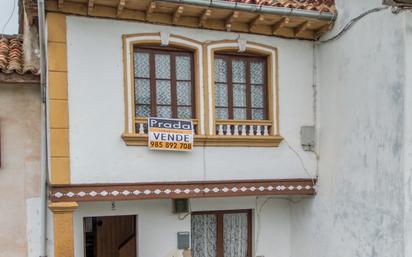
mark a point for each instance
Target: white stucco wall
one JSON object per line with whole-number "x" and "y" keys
{"x": 96, "y": 113}
{"x": 359, "y": 208}
{"x": 158, "y": 226}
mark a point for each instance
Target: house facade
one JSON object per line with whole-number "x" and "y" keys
{"x": 220, "y": 68}
{"x": 279, "y": 116}
{"x": 20, "y": 109}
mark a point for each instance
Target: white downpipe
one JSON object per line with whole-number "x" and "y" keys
{"x": 44, "y": 138}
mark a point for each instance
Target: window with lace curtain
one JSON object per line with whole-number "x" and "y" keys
{"x": 163, "y": 83}
{"x": 240, "y": 87}
{"x": 221, "y": 234}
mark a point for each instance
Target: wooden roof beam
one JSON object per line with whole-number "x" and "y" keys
{"x": 256, "y": 21}
{"x": 150, "y": 9}
{"x": 206, "y": 14}
{"x": 90, "y": 6}
{"x": 301, "y": 28}
{"x": 317, "y": 33}
{"x": 178, "y": 13}
{"x": 120, "y": 7}
{"x": 60, "y": 4}
{"x": 280, "y": 24}
{"x": 230, "y": 20}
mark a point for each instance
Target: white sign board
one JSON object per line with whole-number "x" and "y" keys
{"x": 170, "y": 134}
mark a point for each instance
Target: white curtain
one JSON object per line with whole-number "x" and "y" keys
{"x": 203, "y": 235}
{"x": 235, "y": 234}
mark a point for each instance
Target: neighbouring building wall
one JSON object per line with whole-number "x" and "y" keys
{"x": 408, "y": 136}
{"x": 20, "y": 170}
{"x": 359, "y": 208}
{"x": 96, "y": 112}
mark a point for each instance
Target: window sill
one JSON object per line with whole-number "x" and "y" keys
{"x": 214, "y": 141}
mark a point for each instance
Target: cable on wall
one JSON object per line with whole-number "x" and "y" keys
{"x": 8, "y": 19}
{"x": 352, "y": 22}
{"x": 302, "y": 163}
{"x": 259, "y": 210}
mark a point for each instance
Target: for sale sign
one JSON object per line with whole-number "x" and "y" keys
{"x": 170, "y": 134}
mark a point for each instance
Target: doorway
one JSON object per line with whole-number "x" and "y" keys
{"x": 110, "y": 236}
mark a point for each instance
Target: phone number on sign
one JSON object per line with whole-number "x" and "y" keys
{"x": 171, "y": 145}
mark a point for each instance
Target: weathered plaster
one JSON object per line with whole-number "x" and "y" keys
{"x": 20, "y": 165}
{"x": 408, "y": 135}
{"x": 33, "y": 227}
{"x": 358, "y": 210}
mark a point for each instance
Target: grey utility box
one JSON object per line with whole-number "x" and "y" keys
{"x": 307, "y": 138}
{"x": 183, "y": 240}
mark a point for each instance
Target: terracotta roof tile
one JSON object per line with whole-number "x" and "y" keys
{"x": 11, "y": 56}
{"x": 311, "y": 5}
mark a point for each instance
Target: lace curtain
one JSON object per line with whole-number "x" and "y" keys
{"x": 203, "y": 235}
{"x": 235, "y": 234}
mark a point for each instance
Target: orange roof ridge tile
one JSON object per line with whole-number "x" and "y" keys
{"x": 310, "y": 5}
{"x": 12, "y": 56}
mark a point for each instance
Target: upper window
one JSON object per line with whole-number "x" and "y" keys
{"x": 163, "y": 83}
{"x": 240, "y": 87}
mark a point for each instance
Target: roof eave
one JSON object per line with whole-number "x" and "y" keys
{"x": 262, "y": 9}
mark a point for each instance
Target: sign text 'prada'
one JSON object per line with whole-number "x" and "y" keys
{"x": 170, "y": 134}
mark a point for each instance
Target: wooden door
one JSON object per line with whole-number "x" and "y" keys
{"x": 114, "y": 236}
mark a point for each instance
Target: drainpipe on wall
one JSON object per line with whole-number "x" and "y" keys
{"x": 44, "y": 139}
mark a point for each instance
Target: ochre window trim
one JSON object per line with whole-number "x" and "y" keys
{"x": 204, "y": 57}
{"x": 155, "y": 40}
{"x": 272, "y": 136}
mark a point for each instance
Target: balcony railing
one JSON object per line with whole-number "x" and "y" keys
{"x": 227, "y": 133}
{"x": 244, "y": 128}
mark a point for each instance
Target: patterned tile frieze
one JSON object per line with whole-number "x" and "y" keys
{"x": 109, "y": 192}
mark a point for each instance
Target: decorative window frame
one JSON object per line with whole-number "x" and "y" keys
{"x": 273, "y": 138}
{"x": 130, "y": 135}
{"x": 204, "y": 87}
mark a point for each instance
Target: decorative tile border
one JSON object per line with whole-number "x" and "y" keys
{"x": 174, "y": 190}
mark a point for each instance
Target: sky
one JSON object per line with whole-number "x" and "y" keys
{"x": 6, "y": 7}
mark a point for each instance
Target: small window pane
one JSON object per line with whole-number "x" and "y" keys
{"x": 256, "y": 72}
{"x": 162, "y": 62}
{"x": 164, "y": 111}
{"x": 257, "y": 114}
{"x": 184, "y": 112}
{"x": 239, "y": 113}
{"x": 220, "y": 70}
{"x": 222, "y": 114}
{"x": 143, "y": 111}
{"x": 239, "y": 95}
{"x": 183, "y": 68}
{"x": 257, "y": 96}
{"x": 163, "y": 92}
{"x": 221, "y": 95}
{"x": 235, "y": 234}
{"x": 238, "y": 71}
{"x": 142, "y": 89}
{"x": 184, "y": 93}
{"x": 141, "y": 65}
{"x": 203, "y": 235}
